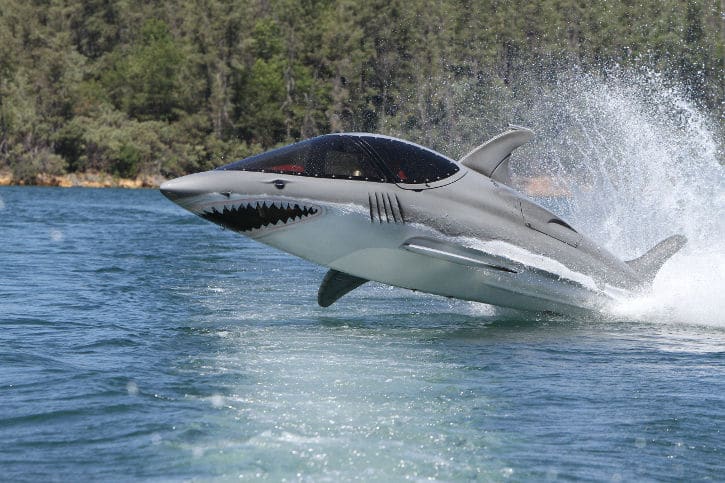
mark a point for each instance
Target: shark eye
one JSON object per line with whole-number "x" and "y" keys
{"x": 279, "y": 183}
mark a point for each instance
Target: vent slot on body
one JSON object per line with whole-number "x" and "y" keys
{"x": 385, "y": 208}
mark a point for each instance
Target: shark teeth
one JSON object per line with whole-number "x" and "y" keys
{"x": 256, "y": 215}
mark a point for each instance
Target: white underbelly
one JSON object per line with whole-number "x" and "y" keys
{"x": 352, "y": 244}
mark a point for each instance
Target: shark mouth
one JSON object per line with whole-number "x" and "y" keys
{"x": 249, "y": 216}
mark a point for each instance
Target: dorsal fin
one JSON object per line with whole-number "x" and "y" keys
{"x": 492, "y": 157}
{"x": 335, "y": 285}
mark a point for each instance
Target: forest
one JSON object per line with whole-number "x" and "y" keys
{"x": 138, "y": 87}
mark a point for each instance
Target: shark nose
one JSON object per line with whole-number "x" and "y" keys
{"x": 179, "y": 188}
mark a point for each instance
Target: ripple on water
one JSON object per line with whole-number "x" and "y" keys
{"x": 146, "y": 344}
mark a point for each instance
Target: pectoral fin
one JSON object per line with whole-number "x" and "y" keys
{"x": 335, "y": 285}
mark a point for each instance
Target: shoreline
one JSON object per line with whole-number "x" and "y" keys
{"x": 535, "y": 186}
{"x": 85, "y": 180}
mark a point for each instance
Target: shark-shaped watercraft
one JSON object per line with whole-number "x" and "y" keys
{"x": 372, "y": 207}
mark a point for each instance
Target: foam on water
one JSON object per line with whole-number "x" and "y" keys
{"x": 641, "y": 162}
{"x": 689, "y": 289}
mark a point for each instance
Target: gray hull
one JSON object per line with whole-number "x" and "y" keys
{"x": 465, "y": 235}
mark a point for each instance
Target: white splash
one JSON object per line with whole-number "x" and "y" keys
{"x": 689, "y": 289}
{"x": 641, "y": 162}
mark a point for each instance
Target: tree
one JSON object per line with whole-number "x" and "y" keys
{"x": 143, "y": 81}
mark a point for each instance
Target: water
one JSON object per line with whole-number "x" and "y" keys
{"x": 138, "y": 342}
{"x": 141, "y": 342}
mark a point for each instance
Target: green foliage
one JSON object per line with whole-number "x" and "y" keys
{"x": 138, "y": 87}
{"x": 144, "y": 80}
{"x": 26, "y": 166}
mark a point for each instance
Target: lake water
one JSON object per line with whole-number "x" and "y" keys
{"x": 140, "y": 342}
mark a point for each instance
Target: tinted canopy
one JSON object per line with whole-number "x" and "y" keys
{"x": 364, "y": 157}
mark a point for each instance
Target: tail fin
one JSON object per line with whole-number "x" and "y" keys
{"x": 650, "y": 263}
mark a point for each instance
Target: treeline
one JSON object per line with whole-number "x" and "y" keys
{"x": 138, "y": 87}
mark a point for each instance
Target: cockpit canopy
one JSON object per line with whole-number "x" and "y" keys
{"x": 366, "y": 157}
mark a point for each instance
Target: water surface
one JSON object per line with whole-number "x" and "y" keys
{"x": 140, "y": 342}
